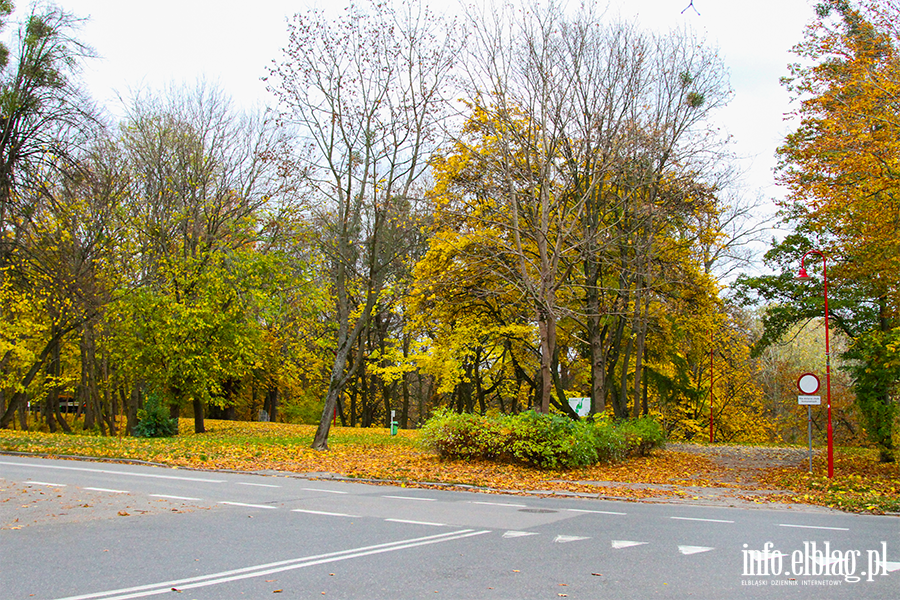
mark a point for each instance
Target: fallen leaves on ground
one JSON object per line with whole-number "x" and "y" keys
{"x": 860, "y": 483}
{"x": 374, "y": 454}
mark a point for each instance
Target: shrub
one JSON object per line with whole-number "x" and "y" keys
{"x": 551, "y": 441}
{"x": 642, "y": 435}
{"x": 610, "y": 441}
{"x": 537, "y": 440}
{"x": 154, "y": 420}
{"x": 466, "y": 436}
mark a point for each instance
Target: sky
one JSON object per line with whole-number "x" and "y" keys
{"x": 151, "y": 44}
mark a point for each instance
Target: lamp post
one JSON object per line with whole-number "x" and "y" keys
{"x": 711, "y": 436}
{"x": 802, "y": 276}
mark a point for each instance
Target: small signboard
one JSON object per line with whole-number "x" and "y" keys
{"x": 581, "y": 406}
{"x": 809, "y": 400}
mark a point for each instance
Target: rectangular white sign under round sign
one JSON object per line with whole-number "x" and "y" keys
{"x": 809, "y": 400}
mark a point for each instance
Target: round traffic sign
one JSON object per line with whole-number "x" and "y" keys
{"x": 808, "y": 384}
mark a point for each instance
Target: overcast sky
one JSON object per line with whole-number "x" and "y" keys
{"x": 149, "y": 44}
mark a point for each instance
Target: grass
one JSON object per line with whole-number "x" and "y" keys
{"x": 861, "y": 483}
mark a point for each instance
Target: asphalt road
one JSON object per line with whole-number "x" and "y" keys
{"x": 86, "y": 530}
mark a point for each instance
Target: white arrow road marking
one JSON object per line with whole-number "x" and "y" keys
{"x": 819, "y": 560}
{"x": 562, "y": 539}
{"x": 515, "y": 534}
{"x": 693, "y": 549}
{"x": 619, "y": 544}
{"x": 889, "y": 566}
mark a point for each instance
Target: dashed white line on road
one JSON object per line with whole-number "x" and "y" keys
{"x": 596, "y": 512}
{"x": 111, "y": 472}
{"x": 813, "y": 527}
{"x": 410, "y": 498}
{"x": 324, "y": 491}
{"x": 175, "y": 497}
{"x": 266, "y": 485}
{"x": 322, "y": 512}
{"x": 416, "y": 522}
{"x": 93, "y": 489}
{"x": 45, "y": 483}
{"x": 704, "y": 520}
{"x": 502, "y": 504}
{"x": 248, "y": 505}
{"x": 693, "y": 549}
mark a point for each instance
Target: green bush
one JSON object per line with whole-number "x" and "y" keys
{"x": 154, "y": 420}
{"x": 551, "y": 441}
{"x": 642, "y": 435}
{"x": 610, "y": 441}
{"x": 465, "y": 436}
{"x": 537, "y": 440}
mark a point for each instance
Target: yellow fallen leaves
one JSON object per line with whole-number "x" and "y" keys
{"x": 374, "y": 454}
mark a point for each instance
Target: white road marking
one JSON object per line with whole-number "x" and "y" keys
{"x": 248, "y": 505}
{"x": 110, "y": 472}
{"x": 501, "y": 504}
{"x": 324, "y": 491}
{"x": 265, "y": 485}
{"x": 704, "y": 520}
{"x": 165, "y": 587}
{"x": 175, "y": 497}
{"x": 619, "y": 544}
{"x": 595, "y": 512}
{"x": 889, "y": 566}
{"x": 416, "y": 522}
{"x": 410, "y": 498}
{"x": 45, "y": 483}
{"x": 322, "y": 512}
{"x": 693, "y": 549}
{"x": 563, "y": 539}
{"x": 516, "y": 534}
{"x": 93, "y": 489}
{"x": 813, "y": 527}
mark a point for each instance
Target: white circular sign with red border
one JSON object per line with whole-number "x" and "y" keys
{"x": 808, "y": 384}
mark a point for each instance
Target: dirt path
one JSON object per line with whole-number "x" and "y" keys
{"x": 735, "y": 480}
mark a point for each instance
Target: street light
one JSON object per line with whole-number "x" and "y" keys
{"x": 802, "y": 276}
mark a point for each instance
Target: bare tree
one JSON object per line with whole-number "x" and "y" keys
{"x": 598, "y": 143}
{"x": 366, "y": 92}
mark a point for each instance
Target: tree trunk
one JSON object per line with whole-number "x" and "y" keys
{"x": 620, "y": 407}
{"x": 547, "y": 329}
{"x": 199, "y": 426}
{"x": 271, "y": 403}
